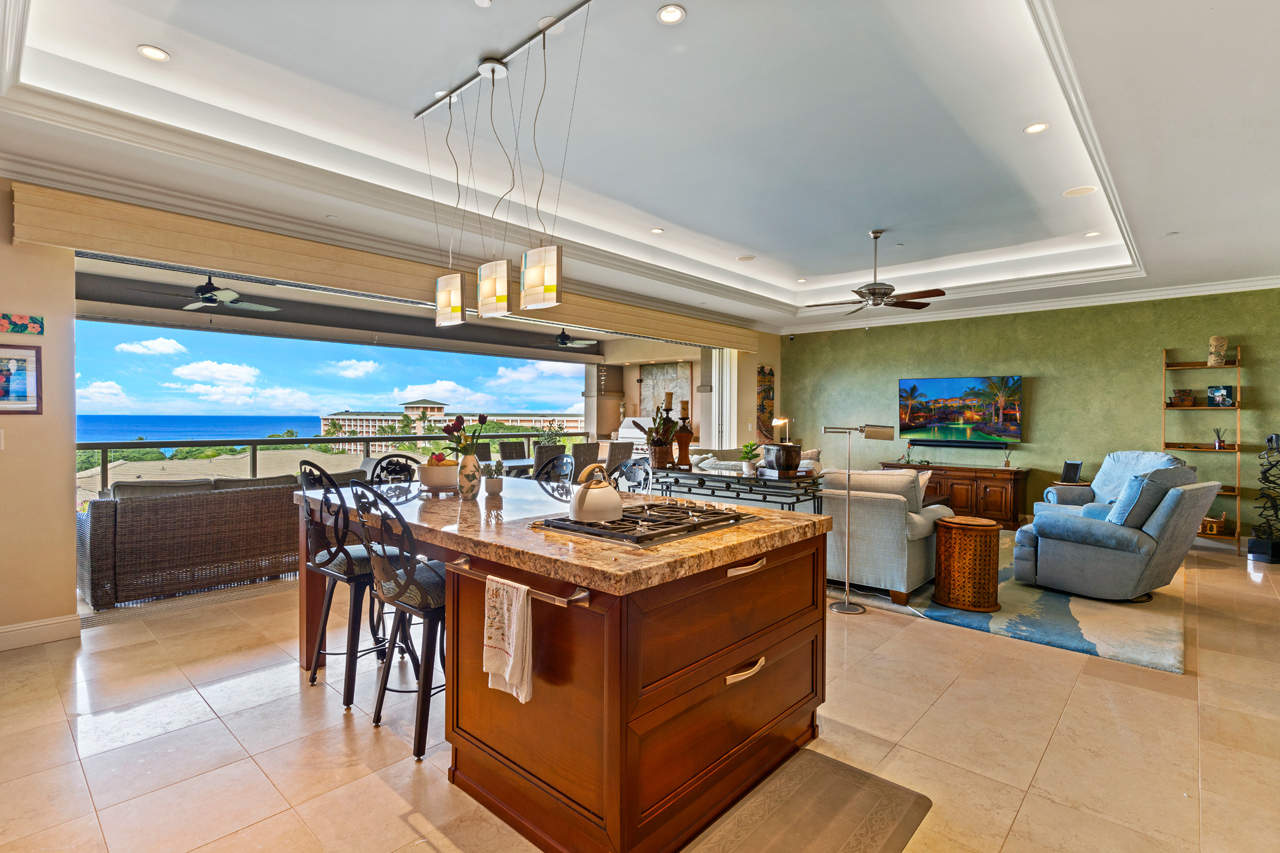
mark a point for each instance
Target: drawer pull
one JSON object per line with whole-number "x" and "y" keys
{"x": 746, "y": 570}
{"x": 743, "y": 676}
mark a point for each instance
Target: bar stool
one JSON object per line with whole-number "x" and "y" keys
{"x": 329, "y": 555}
{"x": 412, "y": 587}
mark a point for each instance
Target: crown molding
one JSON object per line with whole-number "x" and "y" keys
{"x": 1148, "y": 295}
{"x": 13, "y": 37}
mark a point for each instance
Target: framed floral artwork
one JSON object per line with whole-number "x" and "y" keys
{"x": 21, "y": 324}
{"x": 20, "y": 381}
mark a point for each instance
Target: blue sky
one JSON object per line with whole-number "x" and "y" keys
{"x": 141, "y": 370}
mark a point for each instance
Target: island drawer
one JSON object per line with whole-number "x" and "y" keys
{"x": 685, "y": 742}
{"x": 681, "y": 624}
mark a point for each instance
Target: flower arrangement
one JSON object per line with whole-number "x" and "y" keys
{"x": 661, "y": 433}
{"x": 463, "y": 442}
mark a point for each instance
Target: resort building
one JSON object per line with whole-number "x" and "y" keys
{"x": 433, "y": 412}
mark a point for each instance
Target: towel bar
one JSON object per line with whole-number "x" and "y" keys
{"x": 581, "y": 597}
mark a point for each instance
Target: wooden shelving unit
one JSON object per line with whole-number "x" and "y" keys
{"x": 1229, "y": 490}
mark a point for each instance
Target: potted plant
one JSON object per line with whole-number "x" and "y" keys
{"x": 492, "y": 477}
{"x": 1219, "y": 438}
{"x": 463, "y": 445}
{"x": 750, "y": 451}
{"x": 659, "y": 438}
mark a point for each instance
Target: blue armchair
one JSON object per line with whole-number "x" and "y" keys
{"x": 1117, "y": 469}
{"x": 1098, "y": 558}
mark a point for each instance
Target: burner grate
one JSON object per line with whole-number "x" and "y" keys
{"x": 652, "y": 523}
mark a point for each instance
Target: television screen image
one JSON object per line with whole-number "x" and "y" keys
{"x": 975, "y": 408}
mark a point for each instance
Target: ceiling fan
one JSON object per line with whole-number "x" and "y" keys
{"x": 563, "y": 340}
{"x": 879, "y": 293}
{"x": 209, "y": 294}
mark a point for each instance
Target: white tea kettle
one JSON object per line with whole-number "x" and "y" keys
{"x": 595, "y": 499}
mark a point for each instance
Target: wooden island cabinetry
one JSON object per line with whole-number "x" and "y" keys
{"x": 999, "y": 494}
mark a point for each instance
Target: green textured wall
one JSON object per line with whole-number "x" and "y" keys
{"x": 1091, "y": 382}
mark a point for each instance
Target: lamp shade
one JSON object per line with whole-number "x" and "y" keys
{"x": 540, "y": 278}
{"x": 451, "y": 308}
{"x": 495, "y": 282}
{"x": 879, "y": 433}
{"x": 779, "y": 421}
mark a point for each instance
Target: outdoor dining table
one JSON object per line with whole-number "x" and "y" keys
{"x": 517, "y": 466}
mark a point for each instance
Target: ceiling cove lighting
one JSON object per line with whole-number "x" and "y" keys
{"x": 655, "y": 230}
{"x": 155, "y": 54}
{"x": 495, "y": 283}
{"x": 540, "y": 272}
{"x": 1092, "y": 233}
{"x": 671, "y": 14}
{"x": 1038, "y": 127}
{"x": 801, "y": 280}
{"x": 451, "y": 307}
{"x": 1076, "y": 192}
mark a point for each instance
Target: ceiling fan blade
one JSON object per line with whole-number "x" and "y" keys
{"x": 859, "y": 308}
{"x": 916, "y": 306}
{"x": 251, "y": 306}
{"x": 225, "y": 295}
{"x": 829, "y": 304}
{"x": 578, "y": 342}
{"x": 919, "y": 294}
{"x": 194, "y": 306}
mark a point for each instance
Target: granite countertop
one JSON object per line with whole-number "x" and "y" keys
{"x": 497, "y": 528}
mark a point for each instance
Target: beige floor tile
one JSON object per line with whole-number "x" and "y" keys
{"x": 1044, "y": 826}
{"x": 82, "y": 835}
{"x": 386, "y": 810}
{"x": 42, "y": 800}
{"x": 1028, "y": 708}
{"x": 256, "y": 687}
{"x": 116, "y": 727}
{"x": 928, "y": 841}
{"x": 401, "y": 718}
{"x": 157, "y": 762}
{"x": 913, "y": 645}
{"x": 1151, "y": 801}
{"x": 849, "y": 745}
{"x": 121, "y": 661}
{"x": 923, "y": 681}
{"x": 1249, "y": 698}
{"x": 1232, "y": 826}
{"x": 997, "y": 752}
{"x": 100, "y": 694}
{"x": 1247, "y": 732}
{"x": 173, "y": 819}
{"x": 967, "y": 807}
{"x": 306, "y": 768}
{"x": 402, "y": 678}
{"x": 20, "y": 713}
{"x": 283, "y": 833}
{"x": 1243, "y": 670}
{"x": 878, "y": 712}
{"x": 479, "y": 831}
{"x": 1048, "y": 657}
{"x": 99, "y": 639}
{"x": 33, "y": 750}
{"x": 190, "y": 621}
{"x": 15, "y": 662}
{"x": 280, "y": 721}
{"x": 215, "y": 653}
{"x": 1048, "y": 674}
{"x": 1243, "y": 776}
{"x": 1181, "y": 686}
{"x": 266, "y": 607}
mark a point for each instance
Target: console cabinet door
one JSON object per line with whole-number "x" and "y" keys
{"x": 964, "y": 496}
{"x": 995, "y": 499}
{"x": 937, "y": 485}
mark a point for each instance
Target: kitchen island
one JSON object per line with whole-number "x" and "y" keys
{"x": 668, "y": 680}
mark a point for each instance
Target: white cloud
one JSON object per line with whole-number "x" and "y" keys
{"x": 287, "y": 399}
{"x": 535, "y": 370}
{"x": 107, "y": 397}
{"x": 448, "y": 392}
{"x": 576, "y": 409}
{"x": 352, "y": 369}
{"x": 217, "y": 372}
{"x": 156, "y": 346}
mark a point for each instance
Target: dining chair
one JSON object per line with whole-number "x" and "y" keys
{"x": 413, "y": 587}
{"x": 484, "y": 452}
{"x": 584, "y": 454}
{"x": 631, "y": 476}
{"x": 511, "y": 450}
{"x": 328, "y": 554}
{"x": 394, "y": 468}
{"x": 543, "y": 452}
{"x": 557, "y": 469}
{"x": 619, "y": 452}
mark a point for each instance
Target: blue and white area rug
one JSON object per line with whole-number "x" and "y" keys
{"x": 1148, "y": 634}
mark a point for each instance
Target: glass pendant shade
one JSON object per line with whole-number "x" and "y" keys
{"x": 451, "y": 307}
{"x": 495, "y": 282}
{"x": 540, "y": 278}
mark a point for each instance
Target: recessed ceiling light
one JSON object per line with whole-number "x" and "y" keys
{"x": 1092, "y": 233}
{"x": 1079, "y": 191}
{"x": 155, "y": 54}
{"x": 671, "y": 14}
{"x": 1035, "y": 128}
{"x": 801, "y": 280}
{"x": 656, "y": 230}
{"x": 746, "y": 257}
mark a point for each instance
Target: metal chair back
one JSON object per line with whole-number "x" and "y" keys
{"x": 587, "y": 453}
{"x": 557, "y": 469}
{"x": 326, "y": 537}
{"x": 390, "y": 544}
{"x": 619, "y": 452}
{"x": 511, "y": 450}
{"x": 394, "y": 468}
{"x": 631, "y": 476}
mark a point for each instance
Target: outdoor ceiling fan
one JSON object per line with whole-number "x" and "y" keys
{"x": 878, "y": 293}
{"x": 563, "y": 340}
{"x": 209, "y": 294}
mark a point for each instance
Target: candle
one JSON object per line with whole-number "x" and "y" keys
{"x": 684, "y": 408}
{"x": 667, "y": 398}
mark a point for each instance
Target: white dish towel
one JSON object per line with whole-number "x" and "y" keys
{"x": 508, "y": 646}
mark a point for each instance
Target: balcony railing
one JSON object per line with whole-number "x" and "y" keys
{"x": 365, "y": 442}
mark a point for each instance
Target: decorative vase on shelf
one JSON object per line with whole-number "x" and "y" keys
{"x": 1217, "y": 351}
{"x": 660, "y": 456}
{"x": 469, "y": 477}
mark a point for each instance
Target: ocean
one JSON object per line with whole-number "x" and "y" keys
{"x": 179, "y": 427}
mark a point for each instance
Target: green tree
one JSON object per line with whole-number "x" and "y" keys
{"x": 908, "y": 397}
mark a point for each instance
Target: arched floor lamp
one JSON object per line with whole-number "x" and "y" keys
{"x": 879, "y": 433}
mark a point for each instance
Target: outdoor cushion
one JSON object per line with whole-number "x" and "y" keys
{"x": 220, "y": 483}
{"x": 158, "y": 488}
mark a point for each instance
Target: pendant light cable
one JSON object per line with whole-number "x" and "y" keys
{"x": 493, "y": 85}
{"x": 518, "y": 124}
{"x": 471, "y": 167}
{"x": 572, "y": 104}
{"x": 541, "y": 166}
{"x": 457, "y": 178}
{"x": 435, "y": 212}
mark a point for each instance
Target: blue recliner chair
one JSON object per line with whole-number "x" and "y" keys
{"x": 1117, "y": 469}
{"x": 1088, "y": 554}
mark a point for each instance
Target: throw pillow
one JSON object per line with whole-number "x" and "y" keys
{"x": 1136, "y": 501}
{"x": 814, "y": 455}
{"x": 698, "y": 458}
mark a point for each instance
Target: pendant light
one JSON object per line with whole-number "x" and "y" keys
{"x": 451, "y": 300}
{"x": 540, "y": 278}
{"x": 495, "y": 282}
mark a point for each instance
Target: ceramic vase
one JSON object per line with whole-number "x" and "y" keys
{"x": 469, "y": 478}
{"x": 493, "y": 485}
{"x": 749, "y": 468}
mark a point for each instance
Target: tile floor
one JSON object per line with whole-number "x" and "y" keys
{"x": 196, "y": 731}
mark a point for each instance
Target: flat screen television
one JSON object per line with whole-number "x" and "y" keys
{"x": 973, "y": 411}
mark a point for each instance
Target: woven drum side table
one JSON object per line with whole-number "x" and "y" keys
{"x": 967, "y": 575}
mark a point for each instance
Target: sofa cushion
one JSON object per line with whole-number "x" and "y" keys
{"x": 1092, "y": 531}
{"x": 1096, "y": 510}
{"x": 904, "y": 483}
{"x": 720, "y": 466}
{"x": 220, "y": 483}
{"x": 696, "y": 459}
{"x": 1063, "y": 509}
{"x": 158, "y": 488}
{"x": 1026, "y": 537}
{"x": 1142, "y": 494}
{"x": 1118, "y": 467}
{"x": 920, "y": 525}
